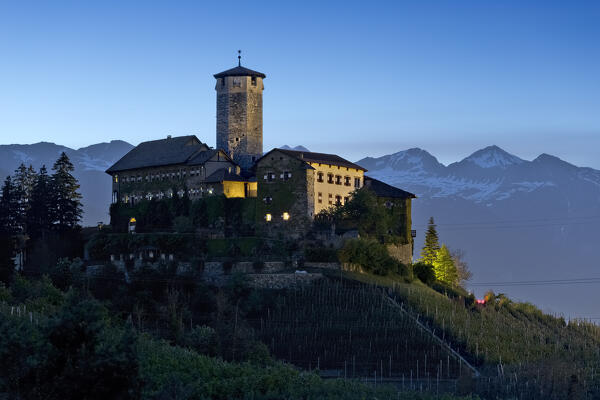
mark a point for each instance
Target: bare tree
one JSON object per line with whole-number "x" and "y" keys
{"x": 464, "y": 274}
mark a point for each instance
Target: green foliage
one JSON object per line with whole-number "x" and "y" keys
{"x": 183, "y": 224}
{"x": 445, "y": 270}
{"x": 321, "y": 254}
{"x": 66, "y": 208}
{"x": 369, "y": 215}
{"x": 202, "y": 339}
{"x": 424, "y": 272}
{"x": 9, "y": 208}
{"x": 432, "y": 244}
{"x": 371, "y": 256}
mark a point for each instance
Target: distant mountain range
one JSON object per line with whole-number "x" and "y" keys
{"x": 517, "y": 220}
{"x": 90, "y": 163}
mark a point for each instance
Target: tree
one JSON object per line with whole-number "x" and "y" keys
{"x": 432, "y": 244}
{"x": 66, "y": 204}
{"x": 39, "y": 217}
{"x": 24, "y": 181}
{"x": 8, "y": 207}
{"x": 445, "y": 270}
{"x": 464, "y": 273}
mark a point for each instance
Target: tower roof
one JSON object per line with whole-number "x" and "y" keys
{"x": 239, "y": 71}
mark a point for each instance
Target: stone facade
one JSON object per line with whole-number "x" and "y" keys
{"x": 284, "y": 191}
{"x": 239, "y": 118}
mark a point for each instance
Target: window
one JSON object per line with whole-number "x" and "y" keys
{"x": 357, "y": 183}
{"x": 338, "y": 179}
{"x": 253, "y": 80}
{"x": 270, "y": 176}
{"x": 268, "y": 217}
{"x": 347, "y": 181}
{"x": 329, "y": 178}
{"x": 237, "y": 82}
{"x": 320, "y": 197}
{"x": 330, "y": 199}
{"x": 319, "y": 177}
{"x": 388, "y": 204}
{"x": 286, "y": 175}
{"x": 222, "y": 81}
{"x": 338, "y": 200}
{"x": 268, "y": 200}
{"x": 285, "y": 216}
{"x": 346, "y": 199}
{"x": 116, "y": 178}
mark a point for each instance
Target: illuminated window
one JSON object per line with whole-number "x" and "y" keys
{"x": 285, "y": 216}
{"x": 268, "y": 217}
{"x": 116, "y": 178}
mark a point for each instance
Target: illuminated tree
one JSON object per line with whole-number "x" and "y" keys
{"x": 445, "y": 270}
{"x": 432, "y": 244}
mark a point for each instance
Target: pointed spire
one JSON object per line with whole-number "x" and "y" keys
{"x": 239, "y": 58}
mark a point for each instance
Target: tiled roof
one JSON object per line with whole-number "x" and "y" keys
{"x": 176, "y": 150}
{"x": 186, "y": 150}
{"x": 382, "y": 189}
{"x": 239, "y": 71}
{"x": 321, "y": 158}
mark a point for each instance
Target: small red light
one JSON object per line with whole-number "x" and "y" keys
{"x": 478, "y": 301}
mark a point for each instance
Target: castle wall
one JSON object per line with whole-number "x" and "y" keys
{"x": 328, "y": 190}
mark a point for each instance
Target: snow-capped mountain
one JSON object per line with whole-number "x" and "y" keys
{"x": 516, "y": 219}
{"x": 297, "y": 148}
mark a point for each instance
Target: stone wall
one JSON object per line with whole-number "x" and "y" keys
{"x": 281, "y": 281}
{"x": 402, "y": 252}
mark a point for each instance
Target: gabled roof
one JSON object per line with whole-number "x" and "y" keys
{"x": 239, "y": 71}
{"x": 321, "y": 158}
{"x": 223, "y": 174}
{"x": 170, "y": 151}
{"x": 382, "y": 189}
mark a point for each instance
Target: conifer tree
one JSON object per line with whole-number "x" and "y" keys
{"x": 24, "y": 180}
{"x": 432, "y": 244}
{"x": 39, "y": 215}
{"x": 8, "y": 207}
{"x": 66, "y": 201}
{"x": 444, "y": 268}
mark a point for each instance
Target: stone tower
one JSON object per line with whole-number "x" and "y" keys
{"x": 239, "y": 114}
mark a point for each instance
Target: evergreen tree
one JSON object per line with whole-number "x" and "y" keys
{"x": 445, "y": 270}
{"x": 432, "y": 244}
{"x": 8, "y": 207}
{"x": 66, "y": 205}
{"x": 39, "y": 217}
{"x": 24, "y": 180}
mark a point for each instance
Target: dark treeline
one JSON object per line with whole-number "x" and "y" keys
{"x": 39, "y": 217}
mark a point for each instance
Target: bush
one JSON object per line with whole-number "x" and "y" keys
{"x": 424, "y": 272}
{"x": 202, "y": 339}
{"x": 183, "y": 224}
{"x": 320, "y": 254}
{"x": 371, "y": 256}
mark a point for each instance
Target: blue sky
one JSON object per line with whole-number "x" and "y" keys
{"x": 357, "y": 79}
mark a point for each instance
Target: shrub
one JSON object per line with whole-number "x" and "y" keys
{"x": 202, "y": 339}
{"x": 371, "y": 256}
{"x": 183, "y": 224}
{"x": 424, "y": 272}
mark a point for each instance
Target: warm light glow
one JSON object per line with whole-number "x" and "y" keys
{"x": 480, "y": 301}
{"x": 268, "y": 217}
{"x": 285, "y": 216}
{"x": 132, "y": 221}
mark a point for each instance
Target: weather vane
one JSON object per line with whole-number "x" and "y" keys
{"x": 239, "y": 58}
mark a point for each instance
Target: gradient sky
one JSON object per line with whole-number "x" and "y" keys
{"x": 357, "y": 79}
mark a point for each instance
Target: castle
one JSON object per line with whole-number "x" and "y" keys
{"x": 290, "y": 187}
